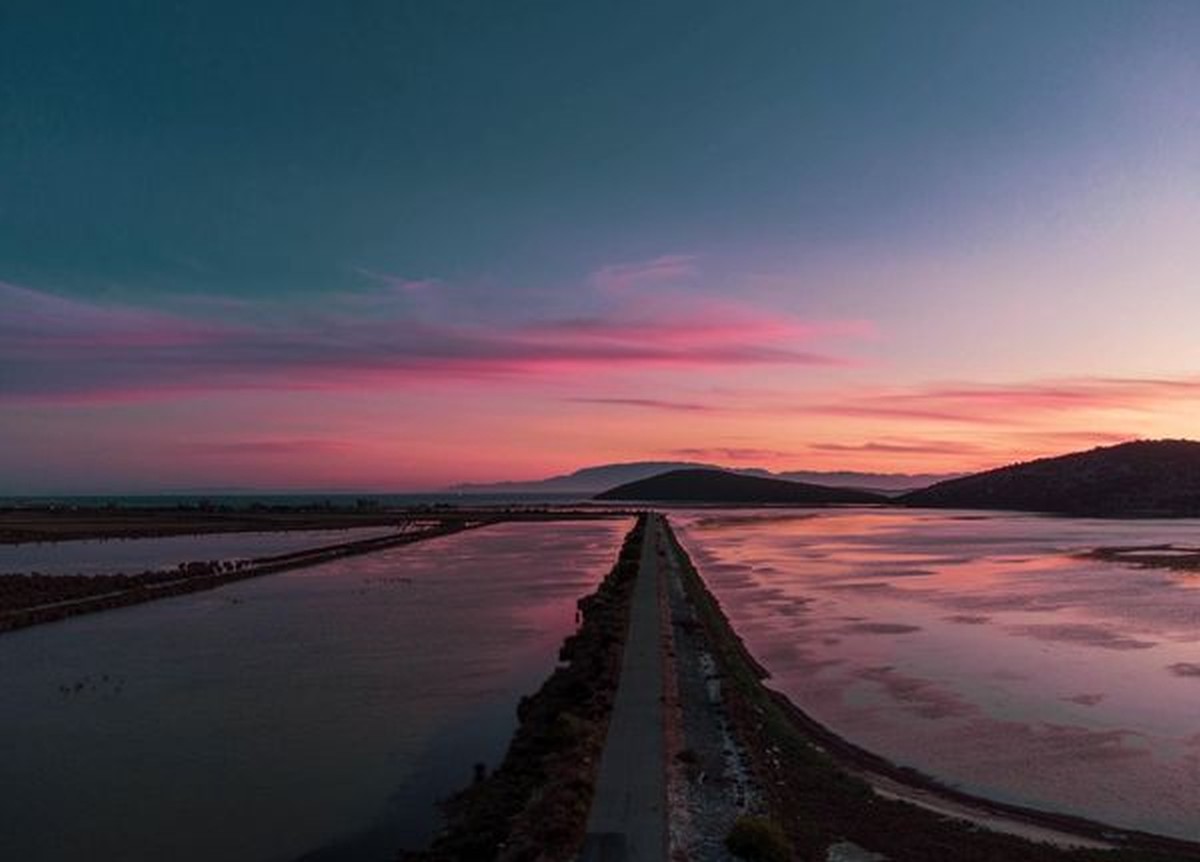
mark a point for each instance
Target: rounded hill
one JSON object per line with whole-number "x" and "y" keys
{"x": 718, "y": 486}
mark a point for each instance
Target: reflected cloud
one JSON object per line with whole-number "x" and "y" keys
{"x": 920, "y": 696}
{"x": 881, "y": 628}
{"x": 1083, "y": 633}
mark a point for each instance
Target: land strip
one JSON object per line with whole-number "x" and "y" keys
{"x": 535, "y": 805}
{"x": 63, "y": 523}
{"x": 628, "y": 822}
{"x": 57, "y": 524}
{"x": 23, "y": 598}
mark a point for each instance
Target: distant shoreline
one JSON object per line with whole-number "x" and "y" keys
{"x": 55, "y": 523}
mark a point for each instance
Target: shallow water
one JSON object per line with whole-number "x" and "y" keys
{"x": 979, "y": 649}
{"x": 109, "y": 556}
{"x": 312, "y": 714}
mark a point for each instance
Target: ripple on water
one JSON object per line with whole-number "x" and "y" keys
{"x": 1011, "y": 666}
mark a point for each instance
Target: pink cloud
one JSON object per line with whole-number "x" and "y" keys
{"x": 650, "y": 404}
{"x": 1015, "y": 404}
{"x": 926, "y": 447}
{"x": 56, "y": 348}
{"x": 730, "y": 453}
{"x": 38, "y": 321}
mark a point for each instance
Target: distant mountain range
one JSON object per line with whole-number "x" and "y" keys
{"x": 592, "y": 480}
{"x": 720, "y": 486}
{"x": 1148, "y": 477}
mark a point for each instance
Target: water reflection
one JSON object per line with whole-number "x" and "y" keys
{"x": 981, "y": 648}
{"x": 315, "y": 713}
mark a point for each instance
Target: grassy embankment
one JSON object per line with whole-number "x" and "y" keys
{"x": 28, "y": 600}
{"x": 67, "y": 523}
{"x": 535, "y": 804}
{"x": 63, "y": 523}
{"x": 817, "y": 802}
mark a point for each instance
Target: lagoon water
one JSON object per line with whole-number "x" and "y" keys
{"x": 109, "y": 556}
{"x": 314, "y": 714}
{"x": 979, "y": 648}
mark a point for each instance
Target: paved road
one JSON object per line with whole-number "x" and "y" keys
{"x": 628, "y": 818}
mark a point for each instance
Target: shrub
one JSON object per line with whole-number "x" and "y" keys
{"x": 757, "y": 839}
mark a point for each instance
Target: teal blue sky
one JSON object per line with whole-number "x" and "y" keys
{"x": 270, "y": 148}
{"x": 423, "y": 200}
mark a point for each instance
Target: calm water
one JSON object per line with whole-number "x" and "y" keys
{"x": 107, "y": 556}
{"x": 313, "y": 714}
{"x": 978, "y": 649}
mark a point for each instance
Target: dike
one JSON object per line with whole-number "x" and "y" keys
{"x": 535, "y": 804}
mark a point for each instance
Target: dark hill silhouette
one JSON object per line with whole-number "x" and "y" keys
{"x": 1148, "y": 477}
{"x": 599, "y": 477}
{"x": 718, "y": 486}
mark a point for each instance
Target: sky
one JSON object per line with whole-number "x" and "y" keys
{"x": 388, "y": 246}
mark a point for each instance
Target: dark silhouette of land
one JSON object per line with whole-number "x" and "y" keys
{"x": 1143, "y": 478}
{"x": 718, "y": 486}
{"x": 593, "y": 480}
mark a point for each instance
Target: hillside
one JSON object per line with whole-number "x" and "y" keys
{"x": 718, "y": 486}
{"x": 1148, "y": 477}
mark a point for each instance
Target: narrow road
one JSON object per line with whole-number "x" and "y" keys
{"x": 628, "y": 817}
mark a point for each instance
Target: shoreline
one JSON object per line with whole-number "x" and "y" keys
{"x": 806, "y": 756}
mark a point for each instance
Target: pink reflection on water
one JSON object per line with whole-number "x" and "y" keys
{"x": 980, "y": 648}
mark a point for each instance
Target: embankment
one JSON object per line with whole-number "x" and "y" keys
{"x": 28, "y": 600}
{"x": 535, "y": 804}
{"x": 58, "y": 523}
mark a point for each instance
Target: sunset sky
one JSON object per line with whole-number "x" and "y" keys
{"x": 392, "y": 246}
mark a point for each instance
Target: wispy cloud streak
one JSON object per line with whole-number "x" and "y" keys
{"x": 53, "y": 347}
{"x": 1011, "y": 405}
{"x": 651, "y": 404}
